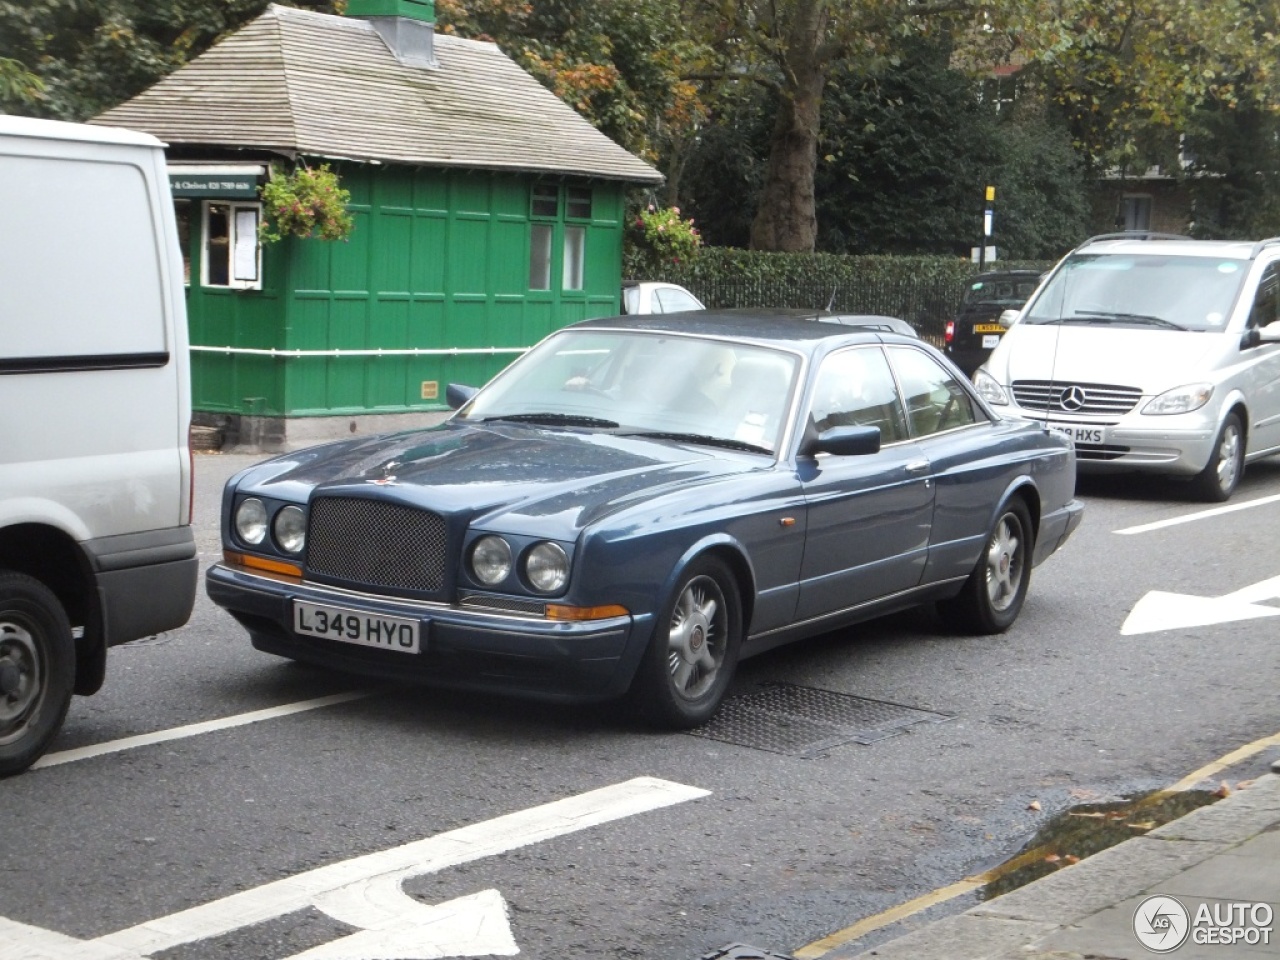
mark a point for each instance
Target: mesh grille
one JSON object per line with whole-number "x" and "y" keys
{"x": 506, "y": 604}
{"x": 1070, "y": 398}
{"x": 376, "y": 544}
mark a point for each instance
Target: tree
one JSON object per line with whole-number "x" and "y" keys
{"x": 92, "y": 54}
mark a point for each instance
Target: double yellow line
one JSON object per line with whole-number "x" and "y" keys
{"x": 820, "y": 948}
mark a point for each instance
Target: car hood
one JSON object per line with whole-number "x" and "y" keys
{"x": 1152, "y": 360}
{"x": 541, "y": 481}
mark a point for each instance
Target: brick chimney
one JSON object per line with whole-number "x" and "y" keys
{"x": 407, "y": 27}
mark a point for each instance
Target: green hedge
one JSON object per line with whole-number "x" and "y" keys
{"x": 925, "y": 291}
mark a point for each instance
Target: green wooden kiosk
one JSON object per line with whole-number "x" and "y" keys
{"x": 487, "y": 214}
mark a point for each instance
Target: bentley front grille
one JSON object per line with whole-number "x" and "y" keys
{"x": 376, "y": 544}
{"x": 1063, "y": 397}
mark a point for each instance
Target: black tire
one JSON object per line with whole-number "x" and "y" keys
{"x": 37, "y": 670}
{"x": 1221, "y": 475}
{"x": 993, "y": 595}
{"x": 694, "y": 651}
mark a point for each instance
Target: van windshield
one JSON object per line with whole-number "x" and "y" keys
{"x": 1144, "y": 290}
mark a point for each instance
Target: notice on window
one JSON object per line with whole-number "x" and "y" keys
{"x": 246, "y": 251}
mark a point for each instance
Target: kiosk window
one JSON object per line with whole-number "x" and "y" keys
{"x": 232, "y": 253}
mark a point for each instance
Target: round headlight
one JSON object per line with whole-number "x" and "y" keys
{"x": 290, "y": 529}
{"x": 251, "y": 521}
{"x": 547, "y": 567}
{"x": 491, "y": 560}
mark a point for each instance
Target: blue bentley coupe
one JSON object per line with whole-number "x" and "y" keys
{"x": 639, "y": 502}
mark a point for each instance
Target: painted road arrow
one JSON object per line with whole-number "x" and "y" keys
{"x": 1173, "y": 611}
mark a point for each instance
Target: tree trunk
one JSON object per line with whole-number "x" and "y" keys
{"x": 786, "y": 218}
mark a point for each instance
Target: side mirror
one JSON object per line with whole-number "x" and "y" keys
{"x": 1007, "y": 317}
{"x": 457, "y": 395}
{"x": 846, "y": 441}
{"x": 1270, "y": 333}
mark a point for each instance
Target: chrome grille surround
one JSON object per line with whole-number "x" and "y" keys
{"x": 376, "y": 544}
{"x": 487, "y": 601}
{"x": 1065, "y": 397}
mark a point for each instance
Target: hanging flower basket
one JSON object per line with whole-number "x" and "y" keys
{"x": 308, "y": 202}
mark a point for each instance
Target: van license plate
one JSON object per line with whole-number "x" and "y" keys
{"x": 1077, "y": 433}
{"x": 356, "y": 626}
{"x": 987, "y": 328}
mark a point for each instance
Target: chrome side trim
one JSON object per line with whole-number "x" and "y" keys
{"x": 878, "y": 601}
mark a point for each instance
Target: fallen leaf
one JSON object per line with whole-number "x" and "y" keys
{"x": 1144, "y": 825}
{"x": 1224, "y": 790}
{"x": 1243, "y": 784}
{"x": 1071, "y": 858}
{"x": 1091, "y": 816}
{"x": 1034, "y": 805}
{"x": 1052, "y": 858}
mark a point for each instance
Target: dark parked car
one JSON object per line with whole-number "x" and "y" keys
{"x": 976, "y": 330}
{"x": 638, "y": 502}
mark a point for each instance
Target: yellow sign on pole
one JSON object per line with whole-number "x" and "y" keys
{"x": 991, "y": 194}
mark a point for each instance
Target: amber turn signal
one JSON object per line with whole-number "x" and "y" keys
{"x": 233, "y": 559}
{"x": 558, "y": 611}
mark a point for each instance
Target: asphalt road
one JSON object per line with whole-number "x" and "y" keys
{"x": 768, "y": 848}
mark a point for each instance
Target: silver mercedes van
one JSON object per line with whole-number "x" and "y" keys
{"x": 96, "y": 545}
{"x": 1152, "y": 353}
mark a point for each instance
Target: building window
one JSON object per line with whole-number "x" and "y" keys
{"x": 546, "y": 200}
{"x": 540, "y": 256}
{"x": 232, "y": 253}
{"x": 575, "y": 248}
{"x": 1137, "y": 213}
{"x": 182, "y": 213}
{"x": 578, "y": 203}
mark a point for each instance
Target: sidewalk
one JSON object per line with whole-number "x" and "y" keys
{"x": 1228, "y": 852}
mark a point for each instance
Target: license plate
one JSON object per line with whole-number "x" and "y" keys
{"x": 356, "y": 626}
{"x": 987, "y": 328}
{"x": 1078, "y": 433}
{"x": 990, "y": 341}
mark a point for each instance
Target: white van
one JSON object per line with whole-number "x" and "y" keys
{"x": 96, "y": 545}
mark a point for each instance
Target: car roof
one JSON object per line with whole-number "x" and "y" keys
{"x": 1230, "y": 249}
{"x": 777, "y": 326}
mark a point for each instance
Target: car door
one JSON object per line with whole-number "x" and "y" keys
{"x": 1261, "y": 366}
{"x": 869, "y": 516}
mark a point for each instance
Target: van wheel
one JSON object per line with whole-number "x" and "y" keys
{"x": 37, "y": 670}
{"x": 993, "y": 595}
{"x": 1221, "y": 475}
{"x": 694, "y": 650}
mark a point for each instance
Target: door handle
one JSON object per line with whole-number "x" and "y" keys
{"x": 917, "y": 467}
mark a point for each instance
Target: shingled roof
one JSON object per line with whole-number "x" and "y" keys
{"x": 299, "y": 82}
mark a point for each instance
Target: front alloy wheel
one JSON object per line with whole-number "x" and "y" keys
{"x": 694, "y": 650}
{"x": 1222, "y": 473}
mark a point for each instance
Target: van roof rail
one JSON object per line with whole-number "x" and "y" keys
{"x": 1133, "y": 235}
{"x": 1261, "y": 244}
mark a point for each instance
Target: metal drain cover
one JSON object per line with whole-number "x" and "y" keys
{"x": 805, "y": 721}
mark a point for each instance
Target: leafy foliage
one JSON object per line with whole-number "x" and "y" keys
{"x": 660, "y": 235}
{"x": 307, "y": 202}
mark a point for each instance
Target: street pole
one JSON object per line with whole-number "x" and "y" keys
{"x": 988, "y": 218}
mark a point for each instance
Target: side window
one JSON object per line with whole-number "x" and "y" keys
{"x": 855, "y": 388}
{"x": 232, "y": 252}
{"x": 1266, "y": 302}
{"x": 673, "y": 301}
{"x": 935, "y": 400}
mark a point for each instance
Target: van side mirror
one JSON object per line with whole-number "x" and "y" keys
{"x": 458, "y": 394}
{"x": 1007, "y": 317}
{"x": 1270, "y": 333}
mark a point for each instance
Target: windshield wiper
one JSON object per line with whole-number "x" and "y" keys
{"x": 555, "y": 420}
{"x": 1142, "y": 318}
{"x": 701, "y": 438}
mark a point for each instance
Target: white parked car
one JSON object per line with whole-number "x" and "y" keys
{"x": 654, "y": 297}
{"x": 1153, "y": 353}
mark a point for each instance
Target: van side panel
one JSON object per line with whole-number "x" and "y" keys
{"x": 92, "y": 393}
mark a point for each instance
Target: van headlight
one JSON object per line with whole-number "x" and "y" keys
{"x": 491, "y": 560}
{"x": 546, "y": 567}
{"x": 989, "y": 388}
{"x": 251, "y": 521}
{"x": 290, "y": 529}
{"x": 1179, "y": 400}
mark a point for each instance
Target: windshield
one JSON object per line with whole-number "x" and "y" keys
{"x": 639, "y": 383}
{"x": 1147, "y": 290}
{"x": 1001, "y": 290}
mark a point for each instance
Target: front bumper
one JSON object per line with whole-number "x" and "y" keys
{"x": 461, "y": 648}
{"x": 1179, "y": 445}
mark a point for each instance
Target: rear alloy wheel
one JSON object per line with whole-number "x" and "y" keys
{"x": 694, "y": 650}
{"x": 993, "y": 595}
{"x": 1221, "y": 475}
{"x": 37, "y": 670}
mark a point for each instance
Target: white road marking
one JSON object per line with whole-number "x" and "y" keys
{"x": 1158, "y": 610}
{"x": 1198, "y": 515}
{"x": 194, "y": 729}
{"x": 367, "y": 888}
